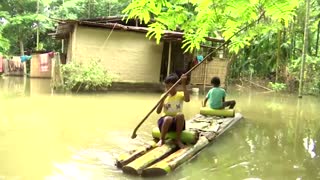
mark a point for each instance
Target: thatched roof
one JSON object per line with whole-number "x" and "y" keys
{"x": 117, "y": 23}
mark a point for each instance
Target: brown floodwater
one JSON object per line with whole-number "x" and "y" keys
{"x": 50, "y": 136}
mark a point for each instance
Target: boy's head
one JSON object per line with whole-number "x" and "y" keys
{"x": 215, "y": 81}
{"x": 170, "y": 81}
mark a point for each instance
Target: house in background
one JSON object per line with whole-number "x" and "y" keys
{"x": 125, "y": 51}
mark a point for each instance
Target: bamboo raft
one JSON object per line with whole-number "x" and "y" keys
{"x": 150, "y": 160}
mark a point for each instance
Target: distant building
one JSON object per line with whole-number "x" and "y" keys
{"x": 125, "y": 50}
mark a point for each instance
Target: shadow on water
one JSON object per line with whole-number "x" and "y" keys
{"x": 46, "y": 136}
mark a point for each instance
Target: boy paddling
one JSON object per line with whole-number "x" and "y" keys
{"x": 172, "y": 105}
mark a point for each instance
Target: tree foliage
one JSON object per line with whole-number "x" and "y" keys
{"x": 21, "y": 21}
{"x": 202, "y": 18}
{"x": 4, "y": 42}
{"x": 79, "y": 9}
{"x": 279, "y": 51}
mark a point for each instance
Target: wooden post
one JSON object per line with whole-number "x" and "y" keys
{"x": 205, "y": 77}
{"x": 53, "y": 79}
{"x": 62, "y": 46}
{"x": 74, "y": 43}
{"x": 56, "y": 74}
{"x": 53, "y": 64}
{"x": 169, "y": 59}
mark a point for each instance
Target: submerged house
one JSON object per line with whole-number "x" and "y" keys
{"x": 125, "y": 51}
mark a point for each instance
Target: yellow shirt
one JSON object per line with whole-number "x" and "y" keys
{"x": 173, "y": 104}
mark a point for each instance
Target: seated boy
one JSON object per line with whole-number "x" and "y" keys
{"x": 172, "y": 104}
{"x": 217, "y": 95}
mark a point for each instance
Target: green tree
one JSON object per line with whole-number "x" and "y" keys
{"x": 22, "y": 22}
{"x": 278, "y": 52}
{"x": 80, "y": 9}
{"x": 206, "y": 17}
{"x": 4, "y": 42}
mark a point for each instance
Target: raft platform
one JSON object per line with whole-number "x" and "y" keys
{"x": 149, "y": 160}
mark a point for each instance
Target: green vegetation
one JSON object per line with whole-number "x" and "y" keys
{"x": 277, "y": 86}
{"x": 20, "y": 20}
{"x": 85, "y": 77}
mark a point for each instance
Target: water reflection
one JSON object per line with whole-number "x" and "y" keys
{"x": 13, "y": 87}
{"x": 309, "y": 145}
{"x": 45, "y": 136}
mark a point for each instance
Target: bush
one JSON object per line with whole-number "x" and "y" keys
{"x": 277, "y": 86}
{"x": 86, "y": 77}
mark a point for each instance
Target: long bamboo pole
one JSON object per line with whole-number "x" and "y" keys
{"x": 134, "y": 134}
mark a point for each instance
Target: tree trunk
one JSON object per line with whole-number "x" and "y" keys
{"x": 109, "y": 8}
{"x": 305, "y": 48}
{"x": 291, "y": 34}
{"x": 285, "y": 55}
{"x": 89, "y": 8}
{"x": 21, "y": 47}
{"x": 317, "y": 43}
{"x": 278, "y": 56}
{"x": 24, "y": 63}
{"x": 293, "y": 40}
{"x": 37, "y": 47}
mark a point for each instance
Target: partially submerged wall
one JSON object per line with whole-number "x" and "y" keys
{"x": 35, "y": 67}
{"x": 129, "y": 55}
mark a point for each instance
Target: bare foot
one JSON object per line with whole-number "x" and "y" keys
{"x": 160, "y": 143}
{"x": 180, "y": 144}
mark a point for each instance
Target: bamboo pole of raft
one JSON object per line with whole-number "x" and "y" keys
{"x": 150, "y": 157}
{"x": 187, "y": 136}
{"x": 236, "y": 118}
{"x": 134, "y": 134}
{"x": 175, "y": 159}
{"x": 126, "y": 158}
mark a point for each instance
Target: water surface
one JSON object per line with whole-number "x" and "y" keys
{"x": 48, "y": 136}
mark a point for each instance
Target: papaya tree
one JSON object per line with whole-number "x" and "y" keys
{"x": 201, "y": 18}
